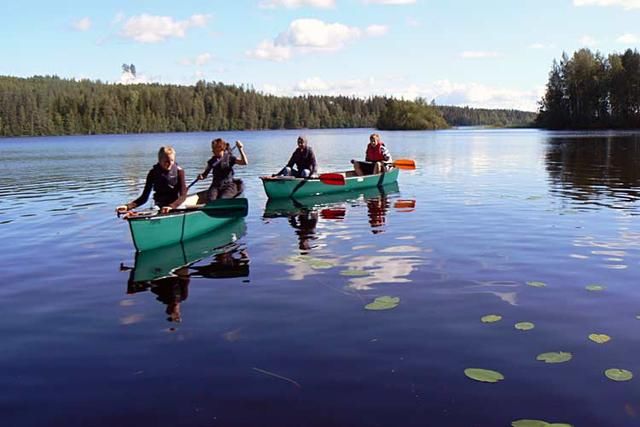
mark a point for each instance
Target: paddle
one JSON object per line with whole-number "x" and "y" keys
{"x": 404, "y": 164}
{"x": 332, "y": 178}
{"x": 219, "y": 208}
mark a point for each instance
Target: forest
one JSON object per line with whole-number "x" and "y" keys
{"x": 591, "y": 91}
{"x": 49, "y": 105}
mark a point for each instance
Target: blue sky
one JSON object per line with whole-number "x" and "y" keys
{"x": 492, "y": 53}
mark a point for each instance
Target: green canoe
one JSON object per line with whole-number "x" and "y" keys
{"x": 154, "y": 230}
{"x": 276, "y": 208}
{"x": 161, "y": 262}
{"x": 287, "y": 187}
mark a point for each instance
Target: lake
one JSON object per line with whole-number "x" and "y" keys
{"x": 264, "y": 322}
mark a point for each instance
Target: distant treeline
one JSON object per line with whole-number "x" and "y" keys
{"x": 54, "y": 106}
{"x": 589, "y": 91}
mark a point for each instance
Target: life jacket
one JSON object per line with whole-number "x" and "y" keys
{"x": 222, "y": 169}
{"x": 374, "y": 153}
{"x": 165, "y": 185}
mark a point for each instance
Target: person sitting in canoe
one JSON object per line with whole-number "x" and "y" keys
{"x": 223, "y": 186}
{"x": 375, "y": 158}
{"x": 303, "y": 159}
{"x": 167, "y": 181}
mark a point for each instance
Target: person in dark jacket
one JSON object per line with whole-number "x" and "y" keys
{"x": 167, "y": 181}
{"x": 303, "y": 159}
{"x": 223, "y": 186}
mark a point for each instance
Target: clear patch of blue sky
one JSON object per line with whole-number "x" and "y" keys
{"x": 420, "y": 54}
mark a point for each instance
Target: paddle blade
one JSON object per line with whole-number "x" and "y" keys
{"x": 405, "y": 164}
{"x": 332, "y": 179}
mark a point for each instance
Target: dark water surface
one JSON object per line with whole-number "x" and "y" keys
{"x": 273, "y": 328}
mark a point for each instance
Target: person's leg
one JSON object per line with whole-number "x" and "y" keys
{"x": 357, "y": 167}
{"x": 212, "y": 193}
{"x": 378, "y": 168}
{"x": 305, "y": 173}
{"x": 286, "y": 171}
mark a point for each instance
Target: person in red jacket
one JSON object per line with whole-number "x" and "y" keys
{"x": 375, "y": 158}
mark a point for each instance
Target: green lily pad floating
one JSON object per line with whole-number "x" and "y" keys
{"x": 537, "y": 423}
{"x": 354, "y": 273}
{"x": 491, "y": 318}
{"x": 483, "y": 375}
{"x": 555, "y": 357}
{"x": 594, "y": 288}
{"x": 318, "y": 264}
{"x": 383, "y": 303}
{"x": 537, "y": 284}
{"x": 618, "y": 374}
{"x": 599, "y": 338}
{"x": 524, "y": 326}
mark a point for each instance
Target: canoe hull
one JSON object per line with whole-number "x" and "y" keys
{"x": 163, "y": 230}
{"x": 278, "y": 188}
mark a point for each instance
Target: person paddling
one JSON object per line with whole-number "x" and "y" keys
{"x": 167, "y": 181}
{"x": 375, "y": 158}
{"x": 223, "y": 186}
{"x": 303, "y": 159}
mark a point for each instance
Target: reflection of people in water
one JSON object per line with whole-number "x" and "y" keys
{"x": 172, "y": 291}
{"x": 228, "y": 264}
{"x": 305, "y": 225}
{"x": 377, "y": 210}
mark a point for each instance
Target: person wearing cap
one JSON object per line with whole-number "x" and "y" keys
{"x": 303, "y": 159}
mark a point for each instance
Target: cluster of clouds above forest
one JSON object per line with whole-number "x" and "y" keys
{"x": 306, "y": 36}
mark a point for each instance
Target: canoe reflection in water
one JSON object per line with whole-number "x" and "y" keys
{"x": 303, "y": 213}
{"x": 167, "y": 271}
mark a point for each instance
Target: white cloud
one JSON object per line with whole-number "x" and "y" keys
{"x": 128, "y": 78}
{"x": 478, "y": 54}
{"x": 311, "y": 35}
{"x": 202, "y": 59}
{"x": 394, "y": 2}
{"x": 536, "y": 46}
{"x": 628, "y": 39}
{"x": 152, "y": 29}
{"x": 291, "y": 4}
{"x": 413, "y": 22}
{"x": 588, "y": 41}
{"x": 268, "y": 50}
{"x": 376, "y": 30}
{"x": 83, "y": 24}
{"x": 444, "y": 92}
{"x": 626, "y": 4}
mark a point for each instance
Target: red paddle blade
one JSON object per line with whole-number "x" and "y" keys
{"x": 332, "y": 179}
{"x": 405, "y": 164}
{"x": 404, "y": 204}
{"x": 333, "y": 213}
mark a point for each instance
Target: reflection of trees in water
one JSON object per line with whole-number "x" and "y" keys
{"x": 590, "y": 169}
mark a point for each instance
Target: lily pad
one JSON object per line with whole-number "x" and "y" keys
{"x": 354, "y": 273}
{"x": 595, "y": 288}
{"x": 555, "y": 357}
{"x": 599, "y": 338}
{"x": 318, "y": 264}
{"x": 483, "y": 375}
{"x": 537, "y": 284}
{"x": 383, "y": 303}
{"x": 618, "y": 374}
{"x": 491, "y": 318}
{"x": 524, "y": 326}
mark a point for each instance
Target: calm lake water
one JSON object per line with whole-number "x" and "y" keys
{"x": 273, "y": 327}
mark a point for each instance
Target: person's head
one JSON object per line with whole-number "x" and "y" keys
{"x": 374, "y": 139}
{"x": 218, "y": 146}
{"x": 166, "y": 157}
{"x": 302, "y": 142}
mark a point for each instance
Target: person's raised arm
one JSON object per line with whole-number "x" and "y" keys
{"x": 243, "y": 160}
